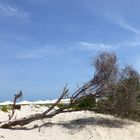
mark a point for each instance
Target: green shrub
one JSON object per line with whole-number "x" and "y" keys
{"x": 60, "y": 105}
{"x": 88, "y": 102}
{"x": 5, "y": 108}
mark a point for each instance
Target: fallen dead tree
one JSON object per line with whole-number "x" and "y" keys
{"x": 105, "y": 67}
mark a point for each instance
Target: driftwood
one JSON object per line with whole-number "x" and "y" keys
{"x": 14, "y": 106}
{"x": 105, "y": 66}
{"x": 47, "y": 114}
{"x": 28, "y": 119}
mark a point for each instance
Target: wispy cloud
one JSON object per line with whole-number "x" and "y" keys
{"x": 126, "y": 26}
{"x": 36, "y": 53}
{"x": 120, "y": 20}
{"x": 43, "y": 52}
{"x": 133, "y": 43}
{"x": 94, "y": 46}
{"x": 86, "y": 46}
{"x": 12, "y": 11}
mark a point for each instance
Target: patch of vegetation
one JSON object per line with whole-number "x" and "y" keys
{"x": 5, "y": 108}
{"x": 41, "y": 105}
{"x": 60, "y": 105}
{"x": 87, "y": 102}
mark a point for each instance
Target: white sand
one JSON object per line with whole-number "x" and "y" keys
{"x": 83, "y": 125}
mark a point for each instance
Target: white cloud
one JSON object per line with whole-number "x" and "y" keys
{"x": 34, "y": 53}
{"x": 128, "y": 27}
{"x": 94, "y": 46}
{"x": 133, "y": 43}
{"x": 120, "y": 20}
{"x": 12, "y": 11}
{"x": 42, "y": 52}
{"x": 105, "y": 47}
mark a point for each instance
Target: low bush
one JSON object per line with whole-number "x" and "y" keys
{"x": 5, "y": 108}
{"x": 60, "y": 105}
{"x": 86, "y": 102}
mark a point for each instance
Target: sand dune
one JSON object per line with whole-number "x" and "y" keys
{"x": 82, "y": 125}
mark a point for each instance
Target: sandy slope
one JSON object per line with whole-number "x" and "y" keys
{"x": 83, "y": 125}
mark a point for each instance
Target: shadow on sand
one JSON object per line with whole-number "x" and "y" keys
{"x": 81, "y": 123}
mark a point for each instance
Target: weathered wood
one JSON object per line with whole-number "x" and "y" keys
{"x": 105, "y": 66}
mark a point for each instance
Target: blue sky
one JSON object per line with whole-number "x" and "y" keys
{"x": 45, "y": 44}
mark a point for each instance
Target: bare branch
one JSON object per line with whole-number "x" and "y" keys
{"x": 105, "y": 75}
{"x": 17, "y": 96}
